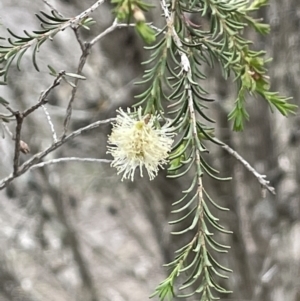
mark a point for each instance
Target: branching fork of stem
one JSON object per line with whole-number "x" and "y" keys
{"x": 20, "y": 116}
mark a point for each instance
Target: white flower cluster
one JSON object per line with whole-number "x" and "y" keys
{"x": 138, "y": 141}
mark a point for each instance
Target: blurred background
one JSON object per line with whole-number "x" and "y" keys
{"x": 73, "y": 231}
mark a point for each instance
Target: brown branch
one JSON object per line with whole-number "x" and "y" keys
{"x": 78, "y": 38}
{"x": 22, "y": 146}
{"x": 19, "y": 144}
{"x": 43, "y": 97}
{"x": 37, "y": 157}
{"x": 82, "y": 61}
{"x": 19, "y": 119}
{"x": 86, "y": 49}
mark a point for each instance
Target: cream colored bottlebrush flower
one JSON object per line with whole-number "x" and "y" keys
{"x": 138, "y": 141}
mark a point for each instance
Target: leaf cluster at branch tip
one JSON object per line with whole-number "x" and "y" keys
{"x": 16, "y": 46}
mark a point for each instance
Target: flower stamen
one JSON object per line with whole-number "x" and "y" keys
{"x": 138, "y": 141}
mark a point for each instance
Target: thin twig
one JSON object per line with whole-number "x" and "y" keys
{"x": 87, "y": 12}
{"x": 11, "y": 110}
{"x": 19, "y": 144}
{"x": 78, "y": 38}
{"x": 75, "y": 29}
{"x": 82, "y": 62}
{"x": 19, "y": 119}
{"x": 155, "y": 27}
{"x": 117, "y": 25}
{"x": 54, "y": 136}
{"x": 77, "y": 159}
{"x": 37, "y": 157}
{"x": 86, "y": 48}
{"x": 52, "y": 7}
{"x": 107, "y": 31}
{"x": 43, "y": 97}
{"x": 261, "y": 178}
{"x": 73, "y": 22}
